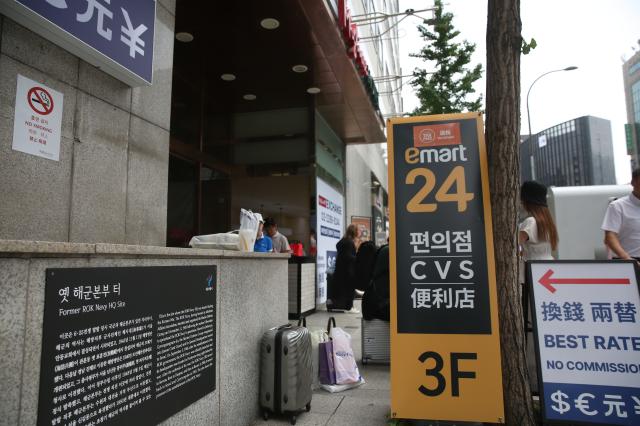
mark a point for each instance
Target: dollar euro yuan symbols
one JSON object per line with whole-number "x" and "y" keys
{"x": 559, "y": 402}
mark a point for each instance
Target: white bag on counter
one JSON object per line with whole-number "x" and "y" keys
{"x": 225, "y": 241}
{"x": 248, "y": 230}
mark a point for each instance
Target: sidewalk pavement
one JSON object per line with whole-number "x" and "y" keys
{"x": 367, "y": 405}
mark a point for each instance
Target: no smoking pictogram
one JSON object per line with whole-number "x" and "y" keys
{"x": 40, "y": 100}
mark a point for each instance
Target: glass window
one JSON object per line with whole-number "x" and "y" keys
{"x": 181, "y": 200}
{"x": 635, "y": 96}
{"x": 185, "y": 111}
{"x": 215, "y": 206}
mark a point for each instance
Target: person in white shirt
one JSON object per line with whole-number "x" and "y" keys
{"x": 537, "y": 234}
{"x": 621, "y": 223}
{"x": 280, "y": 242}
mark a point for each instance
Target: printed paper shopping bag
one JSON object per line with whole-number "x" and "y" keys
{"x": 327, "y": 368}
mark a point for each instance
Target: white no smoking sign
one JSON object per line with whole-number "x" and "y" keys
{"x": 38, "y": 119}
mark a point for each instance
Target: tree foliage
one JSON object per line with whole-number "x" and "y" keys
{"x": 446, "y": 89}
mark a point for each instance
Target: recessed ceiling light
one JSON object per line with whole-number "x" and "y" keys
{"x": 228, "y": 77}
{"x": 249, "y": 97}
{"x": 184, "y": 37}
{"x": 313, "y": 90}
{"x": 300, "y": 68}
{"x": 269, "y": 23}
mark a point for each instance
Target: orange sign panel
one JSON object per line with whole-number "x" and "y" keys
{"x": 445, "y": 345}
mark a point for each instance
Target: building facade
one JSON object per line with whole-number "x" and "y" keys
{"x": 366, "y": 169}
{"x": 282, "y": 91}
{"x": 255, "y": 112}
{"x": 128, "y": 126}
{"x": 631, "y": 77}
{"x": 575, "y": 153}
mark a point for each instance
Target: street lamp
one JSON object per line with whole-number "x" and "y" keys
{"x": 571, "y": 68}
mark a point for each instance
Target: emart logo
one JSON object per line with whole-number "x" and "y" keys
{"x": 427, "y": 136}
{"x": 436, "y": 135}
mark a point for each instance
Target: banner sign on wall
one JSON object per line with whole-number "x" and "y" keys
{"x": 379, "y": 226}
{"x": 329, "y": 230}
{"x": 115, "y": 35}
{"x": 37, "y": 123}
{"x": 445, "y": 346}
{"x": 125, "y": 346}
{"x": 587, "y": 330}
{"x": 364, "y": 224}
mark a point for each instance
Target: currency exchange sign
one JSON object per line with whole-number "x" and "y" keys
{"x": 587, "y": 329}
{"x": 445, "y": 347}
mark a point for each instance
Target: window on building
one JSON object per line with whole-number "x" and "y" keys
{"x": 182, "y": 198}
{"x": 635, "y": 96}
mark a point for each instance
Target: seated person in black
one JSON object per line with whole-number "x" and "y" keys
{"x": 365, "y": 259}
{"x": 375, "y": 302}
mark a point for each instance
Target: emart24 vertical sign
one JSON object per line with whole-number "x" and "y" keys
{"x": 445, "y": 348}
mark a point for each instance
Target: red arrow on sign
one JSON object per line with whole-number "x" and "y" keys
{"x": 547, "y": 281}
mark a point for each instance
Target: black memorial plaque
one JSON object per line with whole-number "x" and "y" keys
{"x": 441, "y": 252}
{"x": 124, "y": 346}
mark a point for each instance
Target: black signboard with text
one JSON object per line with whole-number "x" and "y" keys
{"x": 442, "y": 282}
{"x": 130, "y": 345}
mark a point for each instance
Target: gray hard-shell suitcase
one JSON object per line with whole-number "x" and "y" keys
{"x": 375, "y": 342}
{"x": 286, "y": 373}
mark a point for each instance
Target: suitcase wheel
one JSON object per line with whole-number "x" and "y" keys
{"x": 293, "y": 419}
{"x": 308, "y": 407}
{"x": 265, "y": 415}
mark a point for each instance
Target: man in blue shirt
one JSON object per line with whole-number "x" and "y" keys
{"x": 263, "y": 242}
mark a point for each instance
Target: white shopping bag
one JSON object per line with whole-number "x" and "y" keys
{"x": 344, "y": 361}
{"x": 341, "y": 388}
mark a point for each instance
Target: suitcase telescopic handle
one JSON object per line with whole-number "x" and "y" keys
{"x": 282, "y": 327}
{"x": 302, "y": 321}
{"x": 332, "y": 320}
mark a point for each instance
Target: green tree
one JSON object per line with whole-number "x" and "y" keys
{"x": 445, "y": 89}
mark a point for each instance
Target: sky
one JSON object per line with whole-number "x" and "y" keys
{"x": 592, "y": 35}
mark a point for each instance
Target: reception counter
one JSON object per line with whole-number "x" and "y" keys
{"x": 238, "y": 297}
